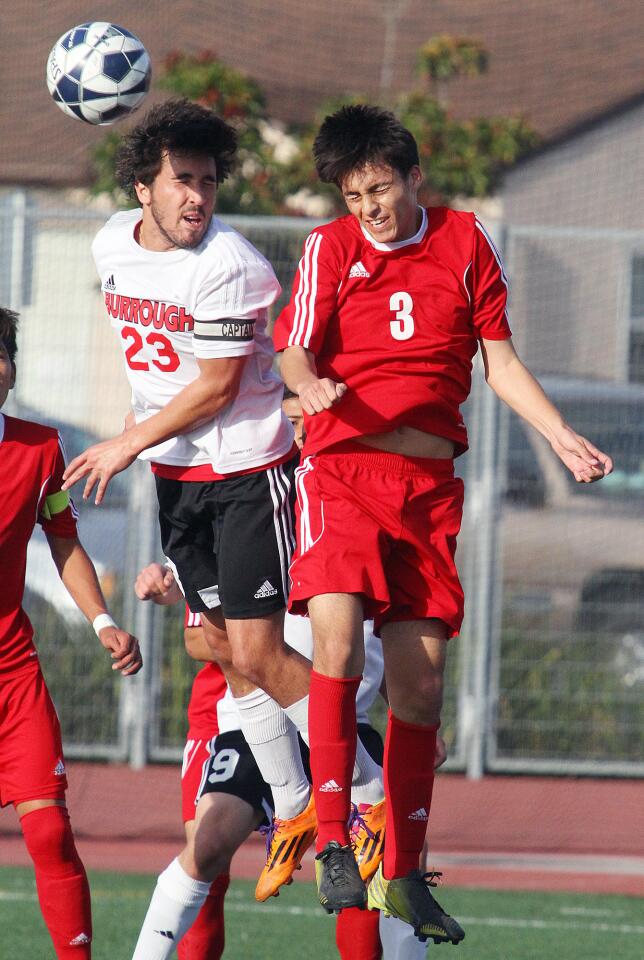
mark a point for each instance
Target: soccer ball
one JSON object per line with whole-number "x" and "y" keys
{"x": 98, "y": 72}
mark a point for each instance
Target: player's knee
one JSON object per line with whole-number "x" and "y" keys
{"x": 219, "y": 644}
{"x": 209, "y": 856}
{"x": 48, "y": 835}
{"x": 250, "y": 662}
{"x": 339, "y": 659}
{"x": 419, "y": 700}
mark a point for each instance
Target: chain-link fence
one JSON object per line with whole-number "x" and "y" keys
{"x": 548, "y": 672}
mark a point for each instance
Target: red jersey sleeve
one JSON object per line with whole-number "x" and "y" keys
{"x": 56, "y": 511}
{"x": 489, "y": 288}
{"x": 190, "y": 618}
{"x": 303, "y": 321}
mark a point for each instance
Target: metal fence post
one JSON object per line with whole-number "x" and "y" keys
{"x": 485, "y": 605}
{"x": 137, "y": 707}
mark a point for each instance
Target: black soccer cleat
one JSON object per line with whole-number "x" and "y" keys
{"x": 338, "y": 878}
{"x": 409, "y": 899}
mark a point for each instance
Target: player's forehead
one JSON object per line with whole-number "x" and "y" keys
{"x": 175, "y": 163}
{"x": 372, "y": 175}
{"x": 292, "y": 407}
{"x": 4, "y": 352}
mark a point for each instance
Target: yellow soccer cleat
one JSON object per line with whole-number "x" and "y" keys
{"x": 409, "y": 899}
{"x": 286, "y": 843}
{"x": 367, "y": 836}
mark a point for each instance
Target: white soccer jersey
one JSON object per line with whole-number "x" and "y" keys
{"x": 297, "y": 633}
{"x": 172, "y": 308}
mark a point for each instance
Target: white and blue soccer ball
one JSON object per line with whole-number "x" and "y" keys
{"x": 98, "y": 72}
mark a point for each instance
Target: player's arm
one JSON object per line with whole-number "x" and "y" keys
{"x": 515, "y": 385}
{"x": 301, "y": 326}
{"x": 197, "y": 647}
{"x": 299, "y": 373}
{"x": 215, "y": 387}
{"x": 77, "y": 572}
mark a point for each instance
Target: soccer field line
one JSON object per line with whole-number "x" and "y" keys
{"x": 519, "y": 923}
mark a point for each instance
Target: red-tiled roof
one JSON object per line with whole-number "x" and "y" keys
{"x": 558, "y": 64}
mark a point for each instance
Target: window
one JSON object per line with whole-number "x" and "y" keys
{"x": 636, "y": 335}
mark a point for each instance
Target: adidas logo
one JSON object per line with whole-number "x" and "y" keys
{"x": 420, "y": 814}
{"x": 168, "y": 934}
{"x": 358, "y": 270}
{"x": 59, "y": 769}
{"x": 266, "y": 590}
{"x": 330, "y": 787}
{"x": 109, "y": 283}
{"x": 81, "y": 938}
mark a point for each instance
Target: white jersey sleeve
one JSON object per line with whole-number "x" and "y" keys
{"x": 232, "y": 299}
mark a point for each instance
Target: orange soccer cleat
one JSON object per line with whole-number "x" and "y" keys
{"x": 286, "y": 843}
{"x": 367, "y": 835}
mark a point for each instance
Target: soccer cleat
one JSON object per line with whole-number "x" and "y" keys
{"x": 409, "y": 899}
{"x": 367, "y": 835}
{"x": 286, "y": 843}
{"x": 338, "y": 878}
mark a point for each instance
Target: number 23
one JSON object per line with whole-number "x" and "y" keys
{"x": 401, "y": 303}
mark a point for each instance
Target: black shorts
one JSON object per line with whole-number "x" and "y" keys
{"x": 232, "y": 768}
{"x": 230, "y": 541}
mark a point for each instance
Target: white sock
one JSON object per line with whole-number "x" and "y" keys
{"x": 273, "y": 739}
{"x": 367, "y": 785}
{"x": 298, "y": 713}
{"x": 175, "y": 903}
{"x": 398, "y": 940}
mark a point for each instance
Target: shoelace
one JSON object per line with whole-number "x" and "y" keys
{"x": 268, "y": 833}
{"x": 337, "y": 867}
{"x": 432, "y": 878}
{"x": 357, "y": 822}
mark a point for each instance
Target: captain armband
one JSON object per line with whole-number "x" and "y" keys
{"x": 55, "y": 503}
{"x": 230, "y": 330}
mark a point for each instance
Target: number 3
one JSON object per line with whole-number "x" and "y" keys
{"x": 402, "y": 328}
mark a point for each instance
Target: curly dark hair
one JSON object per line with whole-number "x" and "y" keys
{"x": 178, "y": 125}
{"x": 356, "y": 136}
{"x": 9, "y": 331}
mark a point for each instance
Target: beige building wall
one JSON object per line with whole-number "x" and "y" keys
{"x": 575, "y": 219}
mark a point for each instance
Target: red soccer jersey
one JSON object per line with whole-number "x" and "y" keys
{"x": 208, "y": 687}
{"x": 398, "y": 323}
{"x": 31, "y": 475}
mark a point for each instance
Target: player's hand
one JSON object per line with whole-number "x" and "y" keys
{"x": 583, "y": 459}
{"x": 124, "y": 649}
{"x": 441, "y": 752}
{"x": 156, "y": 582}
{"x": 99, "y": 464}
{"x": 318, "y": 395}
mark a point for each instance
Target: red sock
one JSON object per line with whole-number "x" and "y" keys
{"x": 332, "y": 735}
{"x": 356, "y": 934}
{"x": 61, "y": 881}
{"x": 409, "y": 779}
{"x": 205, "y": 938}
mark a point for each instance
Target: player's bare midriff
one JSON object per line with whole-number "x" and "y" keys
{"x": 411, "y": 443}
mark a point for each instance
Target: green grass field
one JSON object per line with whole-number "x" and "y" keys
{"x": 499, "y": 925}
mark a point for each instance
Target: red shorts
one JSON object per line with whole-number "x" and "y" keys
{"x": 195, "y": 753}
{"x": 31, "y": 750}
{"x": 381, "y": 525}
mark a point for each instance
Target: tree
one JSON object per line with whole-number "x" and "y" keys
{"x": 264, "y": 148}
{"x": 275, "y": 172}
